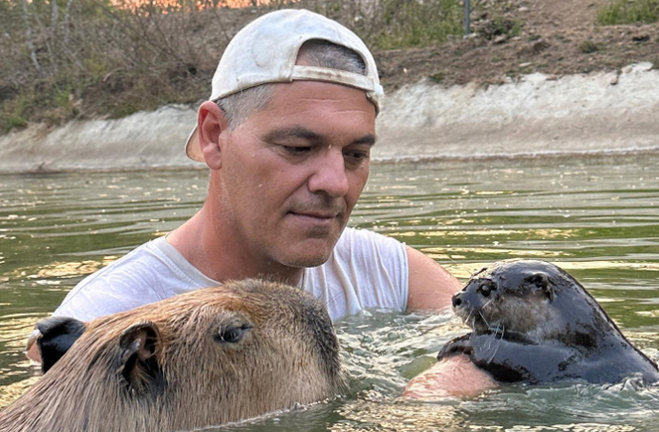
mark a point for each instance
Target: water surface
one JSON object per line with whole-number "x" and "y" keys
{"x": 596, "y": 217}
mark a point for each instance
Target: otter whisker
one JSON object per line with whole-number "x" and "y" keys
{"x": 495, "y": 350}
{"x": 487, "y": 303}
{"x": 497, "y": 330}
{"x": 483, "y": 318}
{"x": 468, "y": 318}
{"x": 492, "y": 347}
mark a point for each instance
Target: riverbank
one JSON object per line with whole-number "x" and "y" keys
{"x": 534, "y": 115}
{"x": 536, "y": 78}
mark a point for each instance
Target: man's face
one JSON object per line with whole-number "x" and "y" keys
{"x": 291, "y": 173}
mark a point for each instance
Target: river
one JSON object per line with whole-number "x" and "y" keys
{"x": 595, "y": 216}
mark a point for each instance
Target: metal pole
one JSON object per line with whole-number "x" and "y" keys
{"x": 467, "y": 12}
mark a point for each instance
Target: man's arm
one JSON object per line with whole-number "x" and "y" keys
{"x": 430, "y": 285}
{"x": 431, "y": 288}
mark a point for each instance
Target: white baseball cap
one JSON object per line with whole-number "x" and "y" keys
{"x": 265, "y": 51}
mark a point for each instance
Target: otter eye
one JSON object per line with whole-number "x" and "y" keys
{"x": 232, "y": 333}
{"x": 486, "y": 288}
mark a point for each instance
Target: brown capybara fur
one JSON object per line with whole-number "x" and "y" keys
{"x": 204, "y": 358}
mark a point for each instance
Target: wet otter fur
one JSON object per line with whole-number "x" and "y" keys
{"x": 534, "y": 323}
{"x": 204, "y": 358}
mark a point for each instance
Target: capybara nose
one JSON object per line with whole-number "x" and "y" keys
{"x": 457, "y": 301}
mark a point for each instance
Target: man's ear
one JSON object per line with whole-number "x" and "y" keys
{"x": 211, "y": 123}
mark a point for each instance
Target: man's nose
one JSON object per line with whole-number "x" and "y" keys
{"x": 330, "y": 174}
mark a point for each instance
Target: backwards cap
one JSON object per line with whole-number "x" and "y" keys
{"x": 265, "y": 51}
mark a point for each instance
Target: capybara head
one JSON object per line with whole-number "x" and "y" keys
{"x": 204, "y": 358}
{"x": 529, "y": 297}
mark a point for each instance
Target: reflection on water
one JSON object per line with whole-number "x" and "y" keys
{"x": 598, "y": 218}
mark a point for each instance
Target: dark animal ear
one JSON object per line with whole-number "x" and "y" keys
{"x": 139, "y": 352}
{"x": 541, "y": 281}
{"x": 57, "y": 336}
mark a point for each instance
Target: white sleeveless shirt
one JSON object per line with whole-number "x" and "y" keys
{"x": 365, "y": 270}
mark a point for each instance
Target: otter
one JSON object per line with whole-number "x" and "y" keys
{"x": 534, "y": 323}
{"x": 203, "y": 358}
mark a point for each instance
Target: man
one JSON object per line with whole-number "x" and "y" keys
{"x": 286, "y": 135}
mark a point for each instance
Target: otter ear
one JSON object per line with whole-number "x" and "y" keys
{"x": 541, "y": 282}
{"x": 139, "y": 349}
{"x": 57, "y": 334}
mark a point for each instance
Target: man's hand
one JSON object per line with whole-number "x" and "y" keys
{"x": 455, "y": 376}
{"x": 32, "y": 349}
{"x": 431, "y": 288}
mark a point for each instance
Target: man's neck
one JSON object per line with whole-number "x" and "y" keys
{"x": 206, "y": 250}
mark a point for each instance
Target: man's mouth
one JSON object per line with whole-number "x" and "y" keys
{"x": 316, "y": 215}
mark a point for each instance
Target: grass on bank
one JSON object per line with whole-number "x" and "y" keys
{"x": 628, "y": 12}
{"x": 65, "y": 59}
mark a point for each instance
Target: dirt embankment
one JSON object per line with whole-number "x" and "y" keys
{"x": 124, "y": 63}
{"x": 553, "y": 37}
{"x": 539, "y": 78}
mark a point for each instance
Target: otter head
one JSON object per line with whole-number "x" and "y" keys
{"x": 204, "y": 358}
{"x": 509, "y": 297}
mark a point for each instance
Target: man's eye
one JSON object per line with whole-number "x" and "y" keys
{"x": 296, "y": 150}
{"x": 356, "y": 156}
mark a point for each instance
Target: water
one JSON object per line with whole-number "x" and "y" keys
{"x": 596, "y": 217}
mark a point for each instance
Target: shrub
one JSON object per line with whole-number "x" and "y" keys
{"x": 628, "y": 12}
{"x": 588, "y": 47}
{"x": 500, "y": 26}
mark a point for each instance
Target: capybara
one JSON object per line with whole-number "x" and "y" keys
{"x": 204, "y": 358}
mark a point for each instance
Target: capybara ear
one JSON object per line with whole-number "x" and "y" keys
{"x": 139, "y": 348}
{"x": 57, "y": 336}
{"x": 541, "y": 281}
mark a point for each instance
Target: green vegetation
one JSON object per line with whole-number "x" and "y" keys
{"x": 13, "y": 113}
{"x": 588, "y": 47}
{"x": 629, "y": 12}
{"x": 500, "y": 26}
{"x": 410, "y": 23}
{"x": 64, "y": 59}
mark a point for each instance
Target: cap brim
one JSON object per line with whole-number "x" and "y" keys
{"x": 193, "y": 147}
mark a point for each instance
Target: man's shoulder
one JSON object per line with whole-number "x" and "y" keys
{"x": 142, "y": 258}
{"x": 373, "y": 251}
{"x": 143, "y": 275}
{"x": 156, "y": 264}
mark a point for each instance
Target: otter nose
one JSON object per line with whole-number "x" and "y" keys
{"x": 457, "y": 301}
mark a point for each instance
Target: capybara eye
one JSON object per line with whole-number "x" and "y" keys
{"x": 232, "y": 333}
